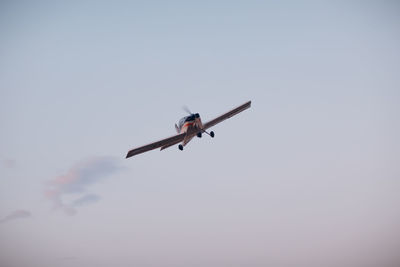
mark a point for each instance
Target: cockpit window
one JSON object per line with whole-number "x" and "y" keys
{"x": 190, "y": 118}
{"x": 186, "y": 119}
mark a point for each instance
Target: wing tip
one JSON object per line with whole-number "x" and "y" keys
{"x": 129, "y": 154}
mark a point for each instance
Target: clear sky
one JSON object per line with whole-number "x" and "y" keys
{"x": 309, "y": 176}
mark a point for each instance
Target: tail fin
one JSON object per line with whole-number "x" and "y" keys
{"x": 177, "y": 128}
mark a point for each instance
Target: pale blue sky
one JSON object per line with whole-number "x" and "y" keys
{"x": 309, "y": 176}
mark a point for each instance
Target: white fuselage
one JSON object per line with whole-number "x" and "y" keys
{"x": 191, "y": 125}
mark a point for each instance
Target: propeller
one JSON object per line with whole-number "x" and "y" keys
{"x": 185, "y": 108}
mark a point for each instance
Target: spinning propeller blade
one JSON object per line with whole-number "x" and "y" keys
{"x": 185, "y": 108}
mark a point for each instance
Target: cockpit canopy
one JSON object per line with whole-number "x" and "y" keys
{"x": 189, "y": 118}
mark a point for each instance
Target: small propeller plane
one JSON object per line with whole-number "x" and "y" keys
{"x": 187, "y": 128}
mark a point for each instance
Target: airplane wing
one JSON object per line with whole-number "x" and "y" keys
{"x": 165, "y": 142}
{"x": 227, "y": 115}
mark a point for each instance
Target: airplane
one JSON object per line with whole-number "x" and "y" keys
{"x": 187, "y": 128}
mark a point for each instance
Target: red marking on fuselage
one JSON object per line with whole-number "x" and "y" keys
{"x": 186, "y": 125}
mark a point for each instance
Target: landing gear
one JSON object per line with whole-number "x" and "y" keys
{"x": 204, "y": 131}
{"x": 180, "y": 147}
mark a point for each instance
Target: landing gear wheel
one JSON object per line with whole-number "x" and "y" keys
{"x": 180, "y": 147}
{"x": 199, "y": 134}
{"x": 212, "y": 134}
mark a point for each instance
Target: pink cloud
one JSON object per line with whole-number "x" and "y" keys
{"x": 78, "y": 180}
{"x": 8, "y": 163}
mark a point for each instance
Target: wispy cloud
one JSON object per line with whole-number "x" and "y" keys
{"x": 8, "y": 163}
{"x": 18, "y": 214}
{"x": 86, "y": 199}
{"x": 77, "y": 181}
